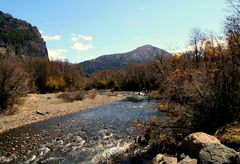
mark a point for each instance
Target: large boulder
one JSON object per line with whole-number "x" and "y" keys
{"x": 162, "y": 159}
{"x": 218, "y": 153}
{"x": 195, "y": 142}
{"x": 188, "y": 160}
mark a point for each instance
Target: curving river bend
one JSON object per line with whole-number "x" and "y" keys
{"x": 79, "y": 137}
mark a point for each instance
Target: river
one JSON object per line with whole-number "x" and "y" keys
{"x": 79, "y": 137}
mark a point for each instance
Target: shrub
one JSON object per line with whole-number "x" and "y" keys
{"x": 72, "y": 96}
{"x": 13, "y": 83}
{"x": 54, "y": 84}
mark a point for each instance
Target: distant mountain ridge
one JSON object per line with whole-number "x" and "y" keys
{"x": 19, "y": 38}
{"x": 139, "y": 55}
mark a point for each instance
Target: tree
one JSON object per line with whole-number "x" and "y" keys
{"x": 232, "y": 26}
{"x": 197, "y": 38}
{"x": 235, "y": 7}
{"x": 39, "y": 70}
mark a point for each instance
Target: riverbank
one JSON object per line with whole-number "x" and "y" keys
{"x": 38, "y": 107}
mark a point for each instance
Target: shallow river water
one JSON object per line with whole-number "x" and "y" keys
{"x": 76, "y": 138}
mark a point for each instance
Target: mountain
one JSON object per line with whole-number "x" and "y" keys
{"x": 19, "y": 38}
{"x": 139, "y": 55}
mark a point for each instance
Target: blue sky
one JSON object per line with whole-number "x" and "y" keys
{"x": 84, "y": 29}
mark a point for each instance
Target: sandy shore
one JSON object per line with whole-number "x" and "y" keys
{"x": 49, "y": 106}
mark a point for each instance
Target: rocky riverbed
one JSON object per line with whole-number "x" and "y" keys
{"x": 82, "y": 137}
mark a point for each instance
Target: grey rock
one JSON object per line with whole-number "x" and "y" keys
{"x": 218, "y": 153}
{"x": 188, "y": 160}
{"x": 182, "y": 156}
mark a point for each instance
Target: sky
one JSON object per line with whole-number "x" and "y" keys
{"x": 79, "y": 30}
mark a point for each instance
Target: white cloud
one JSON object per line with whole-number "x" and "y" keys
{"x": 59, "y": 54}
{"x": 76, "y": 37}
{"x": 52, "y": 38}
{"x": 77, "y": 42}
{"x": 181, "y": 50}
{"x": 81, "y": 47}
{"x": 215, "y": 41}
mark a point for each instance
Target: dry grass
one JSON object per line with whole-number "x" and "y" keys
{"x": 155, "y": 94}
{"x": 91, "y": 94}
{"x": 154, "y": 121}
{"x": 230, "y": 135}
{"x": 72, "y": 96}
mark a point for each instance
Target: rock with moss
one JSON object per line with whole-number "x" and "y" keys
{"x": 218, "y": 153}
{"x": 229, "y": 135}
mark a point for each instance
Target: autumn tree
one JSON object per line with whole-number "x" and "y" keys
{"x": 73, "y": 76}
{"x": 53, "y": 76}
{"x": 39, "y": 70}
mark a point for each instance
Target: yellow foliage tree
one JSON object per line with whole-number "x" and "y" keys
{"x": 55, "y": 83}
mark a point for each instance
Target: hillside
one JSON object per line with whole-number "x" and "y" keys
{"x": 19, "y": 38}
{"x": 139, "y": 55}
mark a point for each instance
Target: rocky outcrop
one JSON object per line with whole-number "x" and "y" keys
{"x": 162, "y": 159}
{"x": 218, "y": 153}
{"x": 195, "y": 142}
{"x": 19, "y": 38}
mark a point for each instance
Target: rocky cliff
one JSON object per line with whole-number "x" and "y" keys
{"x": 19, "y": 38}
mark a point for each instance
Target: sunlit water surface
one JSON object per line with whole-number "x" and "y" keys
{"x": 79, "y": 137}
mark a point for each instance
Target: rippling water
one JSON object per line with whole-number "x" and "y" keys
{"x": 76, "y": 138}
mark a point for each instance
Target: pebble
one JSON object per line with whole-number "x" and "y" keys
{"x": 59, "y": 141}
